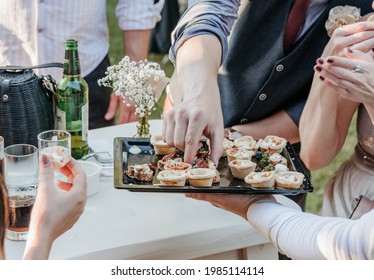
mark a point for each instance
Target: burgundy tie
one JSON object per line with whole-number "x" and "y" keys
{"x": 295, "y": 20}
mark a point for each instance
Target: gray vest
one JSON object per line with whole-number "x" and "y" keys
{"x": 257, "y": 78}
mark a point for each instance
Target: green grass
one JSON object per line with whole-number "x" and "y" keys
{"x": 318, "y": 178}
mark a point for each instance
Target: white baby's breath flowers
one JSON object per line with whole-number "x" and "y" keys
{"x": 140, "y": 82}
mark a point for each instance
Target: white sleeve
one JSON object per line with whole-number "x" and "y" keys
{"x": 138, "y": 14}
{"x": 301, "y": 235}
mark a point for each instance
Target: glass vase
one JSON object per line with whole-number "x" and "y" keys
{"x": 143, "y": 127}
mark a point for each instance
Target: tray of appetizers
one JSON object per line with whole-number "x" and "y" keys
{"x": 265, "y": 166}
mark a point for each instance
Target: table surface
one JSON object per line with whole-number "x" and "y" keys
{"x": 119, "y": 224}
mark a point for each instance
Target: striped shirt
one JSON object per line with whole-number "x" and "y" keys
{"x": 34, "y": 31}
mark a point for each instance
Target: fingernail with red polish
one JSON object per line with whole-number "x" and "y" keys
{"x": 318, "y": 68}
{"x": 330, "y": 60}
{"x": 320, "y": 60}
{"x": 322, "y": 78}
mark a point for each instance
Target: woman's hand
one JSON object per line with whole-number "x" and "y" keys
{"x": 351, "y": 76}
{"x": 356, "y": 36}
{"x": 235, "y": 203}
{"x": 55, "y": 211}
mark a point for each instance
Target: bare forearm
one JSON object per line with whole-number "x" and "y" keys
{"x": 197, "y": 64}
{"x": 279, "y": 124}
{"x": 136, "y": 43}
{"x": 323, "y": 125}
{"x": 37, "y": 247}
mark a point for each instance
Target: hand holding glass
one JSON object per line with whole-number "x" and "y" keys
{"x": 57, "y": 145}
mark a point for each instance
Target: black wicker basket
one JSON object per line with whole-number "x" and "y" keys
{"x": 26, "y": 104}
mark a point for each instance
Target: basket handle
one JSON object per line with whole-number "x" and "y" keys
{"x": 46, "y": 65}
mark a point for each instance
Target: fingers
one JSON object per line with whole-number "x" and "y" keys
{"x": 127, "y": 113}
{"x": 168, "y": 128}
{"x": 45, "y": 172}
{"x": 194, "y": 132}
{"x": 216, "y": 146}
{"x": 359, "y": 36}
{"x": 112, "y": 108}
{"x": 76, "y": 175}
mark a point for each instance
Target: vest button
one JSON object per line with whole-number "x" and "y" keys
{"x": 262, "y": 96}
{"x": 279, "y": 67}
{"x": 244, "y": 120}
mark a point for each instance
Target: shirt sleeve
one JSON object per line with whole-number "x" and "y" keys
{"x": 301, "y": 235}
{"x": 205, "y": 17}
{"x": 138, "y": 14}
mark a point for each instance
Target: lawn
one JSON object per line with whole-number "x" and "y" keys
{"x": 318, "y": 178}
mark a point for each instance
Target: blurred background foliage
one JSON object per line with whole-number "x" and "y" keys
{"x": 318, "y": 178}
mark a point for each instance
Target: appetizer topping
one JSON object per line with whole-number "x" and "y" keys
{"x": 239, "y": 153}
{"x": 177, "y": 165}
{"x": 160, "y": 146}
{"x": 246, "y": 142}
{"x": 201, "y": 177}
{"x": 261, "y": 179}
{"x": 289, "y": 179}
{"x": 280, "y": 168}
{"x": 277, "y": 158}
{"x": 141, "y": 172}
{"x": 175, "y": 156}
{"x": 172, "y": 177}
{"x": 272, "y": 143}
{"x": 227, "y": 144}
{"x": 241, "y": 167}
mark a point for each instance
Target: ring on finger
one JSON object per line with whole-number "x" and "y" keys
{"x": 357, "y": 68}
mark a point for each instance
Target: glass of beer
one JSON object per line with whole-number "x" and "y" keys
{"x": 21, "y": 167}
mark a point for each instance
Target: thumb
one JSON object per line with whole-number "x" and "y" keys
{"x": 46, "y": 175}
{"x": 112, "y": 108}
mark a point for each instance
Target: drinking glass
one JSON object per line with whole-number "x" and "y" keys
{"x": 21, "y": 166}
{"x": 2, "y": 156}
{"x": 56, "y": 144}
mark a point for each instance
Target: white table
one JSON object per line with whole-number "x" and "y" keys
{"x": 118, "y": 224}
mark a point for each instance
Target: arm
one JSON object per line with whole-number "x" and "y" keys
{"x": 200, "y": 112}
{"x": 291, "y": 229}
{"x": 54, "y": 212}
{"x": 136, "y": 19}
{"x": 324, "y": 125}
{"x": 279, "y": 124}
{"x": 197, "y": 50}
{"x": 327, "y": 115}
{"x": 319, "y": 237}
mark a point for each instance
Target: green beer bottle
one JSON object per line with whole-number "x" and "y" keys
{"x": 72, "y": 102}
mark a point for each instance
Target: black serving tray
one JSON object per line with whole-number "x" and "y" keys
{"x": 144, "y": 153}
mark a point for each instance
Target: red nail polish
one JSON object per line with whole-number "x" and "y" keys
{"x": 318, "y": 68}
{"x": 320, "y": 60}
{"x": 322, "y": 78}
{"x": 330, "y": 60}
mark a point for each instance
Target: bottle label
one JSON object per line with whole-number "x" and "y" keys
{"x": 85, "y": 122}
{"x": 60, "y": 119}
